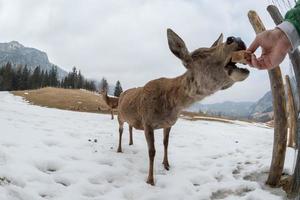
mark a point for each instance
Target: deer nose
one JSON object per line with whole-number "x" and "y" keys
{"x": 241, "y": 44}
{"x": 230, "y": 40}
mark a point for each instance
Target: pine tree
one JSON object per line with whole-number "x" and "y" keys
{"x": 46, "y": 79}
{"x": 35, "y": 78}
{"x": 73, "y": 77}
{"x": 1, "y": 79}
{"x": 80, "y": 81}
{"x": 53, "y": 77}
{"x": 118, "y": 89}
{"x": 18, "y": 77}
{"x": 7, "y": 74}
{"x": 43, "y": 84}
{"x": 103, "y": 86}
{"x": 92, "y": 86}
{"x": 24, "y": 84}
{"x": 21, "y": 78}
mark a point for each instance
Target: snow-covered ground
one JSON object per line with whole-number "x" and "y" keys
{"x": 52, "y": 154}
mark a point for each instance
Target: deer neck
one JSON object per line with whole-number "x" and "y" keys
{"x": 193, "y": 87}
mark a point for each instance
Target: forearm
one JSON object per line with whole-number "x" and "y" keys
{"x": 291, "y": 33}
{"x": 291, "y": 26}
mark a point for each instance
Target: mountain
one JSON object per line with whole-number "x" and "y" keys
{"x": 264, "y": 104}
{"x": 227, "y": 108}
{"x": 262, "y": 110}
{"x": 17, "y": 54}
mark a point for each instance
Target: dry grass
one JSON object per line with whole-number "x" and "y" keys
{"x": 86, "y": 101}
{"x": 67, "y": 99}
{"x": 196, "y": 116}
{"x": 200, "y": 116}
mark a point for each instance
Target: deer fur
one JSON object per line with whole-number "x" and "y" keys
{"x": 158, "y": 104}
{"x": 111, "y": 102}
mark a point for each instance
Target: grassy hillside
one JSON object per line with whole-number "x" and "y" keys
{"x": 86, "y": 101}
{"x": 67, "y": 99}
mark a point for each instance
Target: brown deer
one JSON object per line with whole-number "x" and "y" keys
{"x": 111, "y": 102}
{"x": 158, "y": 104}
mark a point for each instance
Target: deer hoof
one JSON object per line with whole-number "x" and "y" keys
{"x": 119, "y": 150}
{"x": 150, "y": 182}
{"x": 130, "y": 143}
{"x": 166, "y": 165}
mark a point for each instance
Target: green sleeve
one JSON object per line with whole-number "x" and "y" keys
{"x": 293, "y": 16}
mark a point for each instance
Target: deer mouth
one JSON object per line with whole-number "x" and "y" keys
{"x": 231, "y": 67}
{"x": 236, "y": 73}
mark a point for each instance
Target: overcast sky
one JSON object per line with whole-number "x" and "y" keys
{"x": 126, "y": 39}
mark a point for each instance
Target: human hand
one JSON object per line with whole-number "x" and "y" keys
{"x": 274, "y": 44}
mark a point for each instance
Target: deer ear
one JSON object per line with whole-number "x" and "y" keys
{"x": 218, "y": 41}
{"x": 178, "y": 48}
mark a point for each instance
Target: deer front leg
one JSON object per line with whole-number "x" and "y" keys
{"x": 130, "y": 135}
{"x": 166, "y": 143}
{"x": 149, "y": 134}
{"x": 112, "y": 113}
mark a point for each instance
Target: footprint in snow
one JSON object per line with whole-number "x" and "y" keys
{"x": 237, "y": 170}
{"x": 47, "y": 196}
{"x": 219, "y": 177}
{"x": 52, "y": 143}
{"x": 47, "y": 130}
{"x": 256, "y": 176}
{"x": 96, "y": 180}
{"x": 224, "y": 193}
{"x": 49, "y": 167}
{"x": 105, "y": 162}
{"x": 214, "y": 157}
{"x": 135, "y": 151}
{"x": 4, "y": 181}
{"x": 62, "y": 181}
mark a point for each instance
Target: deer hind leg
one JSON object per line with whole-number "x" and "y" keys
{"x": 130, "y": 135}
{"x": 112, "y": 113}
{"x": 121, "y": 124}
{"x": 149, "y": 134}
{"x": 166, "y": 143}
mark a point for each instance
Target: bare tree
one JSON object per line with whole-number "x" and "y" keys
{"x": 283, "y": 5}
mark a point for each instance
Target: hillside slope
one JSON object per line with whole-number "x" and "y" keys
{"x": 67, "y": 99}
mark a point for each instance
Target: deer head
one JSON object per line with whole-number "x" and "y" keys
{"x": 210, "y": 67}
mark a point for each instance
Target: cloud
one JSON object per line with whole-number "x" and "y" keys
{"x": 126, "y": 40}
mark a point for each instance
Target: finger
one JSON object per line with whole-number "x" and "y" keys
{"x": 254, "y": 45}
{"x": 261, "y": 64}
{"x": 248, "y": 60}
{"x": 254, "y": 61}
{"x": 266, "y": 61}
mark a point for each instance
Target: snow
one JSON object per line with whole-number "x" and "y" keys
{"x": 55, "y": 154}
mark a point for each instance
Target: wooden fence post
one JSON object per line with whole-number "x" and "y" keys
{"x": 291, "y": 113}
{"x": 295, "y": 60}
{"x": 279, "y": 106}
